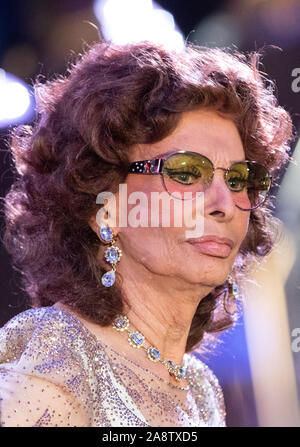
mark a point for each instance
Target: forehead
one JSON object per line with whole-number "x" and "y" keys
{"x": 200, "y": 131}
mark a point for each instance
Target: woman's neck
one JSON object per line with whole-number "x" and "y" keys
{"x": 162, "y": 309}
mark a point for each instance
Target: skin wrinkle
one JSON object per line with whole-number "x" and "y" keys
{"x": 162, "y": 292}
{"x": 161, "y": 277}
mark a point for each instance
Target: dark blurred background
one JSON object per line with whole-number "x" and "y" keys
{"x": 40, "y": 37}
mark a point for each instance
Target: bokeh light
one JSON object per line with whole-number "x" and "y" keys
{"x": 137, "y": 20}
{"x": 15, "y": 104}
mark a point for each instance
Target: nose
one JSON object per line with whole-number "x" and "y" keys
{"x": 218, "y": 199}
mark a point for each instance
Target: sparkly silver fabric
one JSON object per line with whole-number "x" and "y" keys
{"x": 55, "y": 372}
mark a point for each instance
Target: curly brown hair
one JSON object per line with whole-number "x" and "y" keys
{"x": 112, "y": 98}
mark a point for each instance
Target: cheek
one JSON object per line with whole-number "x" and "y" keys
{"x": 148, "y": 236}
{"x": 242, "y": 225}
{"x": 146, "y": 203}
{"x": 144, "y": 183}
{"x": 155, "y": 248}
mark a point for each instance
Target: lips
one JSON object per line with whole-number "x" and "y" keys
{"x": 212, "y": 245}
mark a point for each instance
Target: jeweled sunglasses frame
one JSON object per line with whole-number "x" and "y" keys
{"x": 155, "y": 166}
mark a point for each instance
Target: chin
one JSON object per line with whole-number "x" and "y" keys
{"x": 211, "y": 276}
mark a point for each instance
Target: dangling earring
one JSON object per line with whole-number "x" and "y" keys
{"x": 232, "y": 288}
{"x": 232, "y": 295}
{"x": 112, "y": 254}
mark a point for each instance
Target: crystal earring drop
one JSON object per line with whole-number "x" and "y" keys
{"x": 232, "y": 288}
{"x": 112, "y": 254}
{"x": 231, "y": 297}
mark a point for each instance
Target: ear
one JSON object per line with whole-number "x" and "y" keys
{"x": 106, "y": 215}
{"x": 94, "y": 225}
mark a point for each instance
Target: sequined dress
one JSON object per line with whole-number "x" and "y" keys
{"x": 55, "y": 372}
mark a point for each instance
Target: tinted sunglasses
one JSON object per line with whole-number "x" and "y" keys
{"x": 185, "y": 172}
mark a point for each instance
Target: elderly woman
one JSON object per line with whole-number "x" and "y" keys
{"x": 118, "y": 310}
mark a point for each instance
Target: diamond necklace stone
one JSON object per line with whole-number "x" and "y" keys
{"x": 137, "y": 340}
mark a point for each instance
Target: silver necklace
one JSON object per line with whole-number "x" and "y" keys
{"x": 137, "y": 340}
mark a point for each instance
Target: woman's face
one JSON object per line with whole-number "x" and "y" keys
{"x": 165, "y": 250}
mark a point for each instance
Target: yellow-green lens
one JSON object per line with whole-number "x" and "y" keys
{"x": 187, "y": 172}
{"x": 250, "y": 183}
